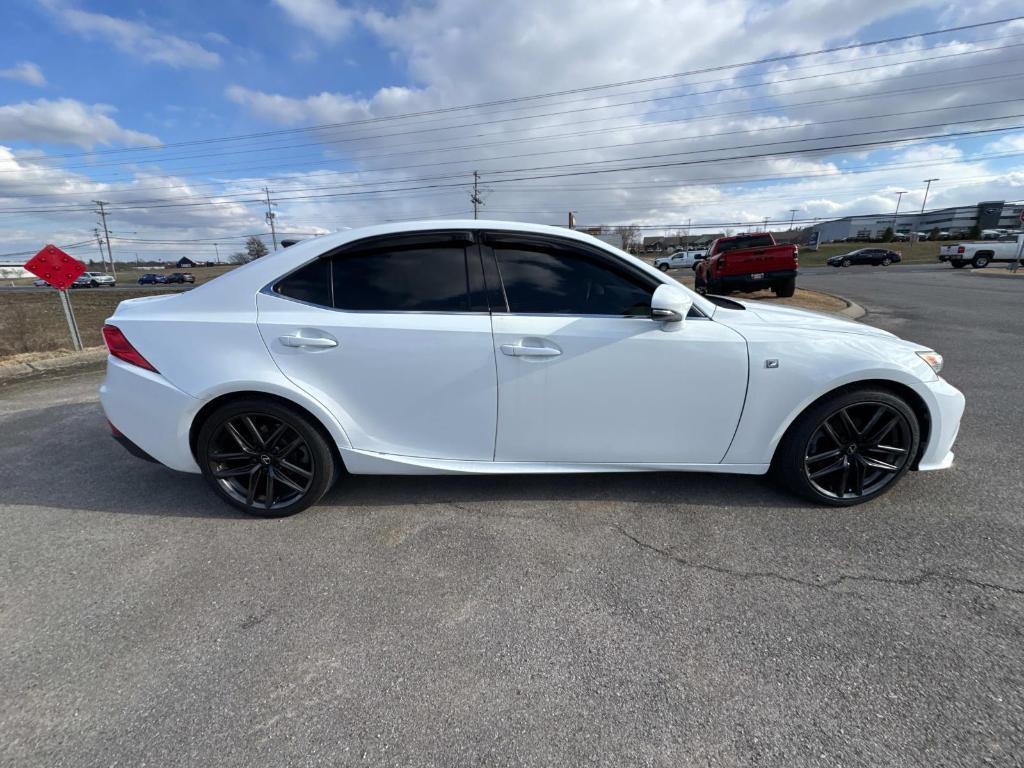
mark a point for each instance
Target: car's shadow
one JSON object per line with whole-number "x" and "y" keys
{"x": 63, "y": 457}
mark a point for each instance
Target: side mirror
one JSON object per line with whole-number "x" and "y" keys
{"x": 670, "y": 305}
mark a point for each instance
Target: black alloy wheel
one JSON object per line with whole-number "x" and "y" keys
{"x": 265, "y": 458}
{"x": 849, "y": 448}
{"x": 886, "y": 261}
{"x": 847, "y": 262}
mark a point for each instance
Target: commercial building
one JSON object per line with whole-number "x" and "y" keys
{"x": 957, "y": 221}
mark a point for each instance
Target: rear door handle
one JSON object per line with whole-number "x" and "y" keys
{"x": 307, "y": 341}
{"x": 518, "y": 350}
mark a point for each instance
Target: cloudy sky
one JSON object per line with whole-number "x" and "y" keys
{"x": 624, "y": 111}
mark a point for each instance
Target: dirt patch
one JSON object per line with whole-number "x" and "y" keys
{"x": 32, "y": 321}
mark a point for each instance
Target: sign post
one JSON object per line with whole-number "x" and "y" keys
{"x": 59, "y": 270}
{"x": 69, "y": 315}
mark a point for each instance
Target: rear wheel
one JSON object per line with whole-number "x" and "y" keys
{"x": 847, "y": 262}
{"x": 886, "y": 261}
{"x": 93, "y": 284}
{"x": 958, "y": 264}
{"x": 265, "y": 458}
{"x": 785, "y": 288}
{"x": 849, "y": 448}
{"x": 980, "y": 262}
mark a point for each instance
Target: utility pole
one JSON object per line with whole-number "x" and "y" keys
{"x": 99, "y": 244}
{"x": 270, "y": 218}
{"x": 572, "y": 219}
{"x": 475, "y": 197}
{"x": 899, "y": 196}
{"x": 217, "y": 251}
{"x": 792, "y": 216}
{"x": 928, "y": 185}
{"x": 106, "y": 233}
{"x": 765, "y": 223}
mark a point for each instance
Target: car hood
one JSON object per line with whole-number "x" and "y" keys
{"x": 762, "y": 313}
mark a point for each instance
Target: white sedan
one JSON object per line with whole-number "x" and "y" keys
{"x": 489, "y": 347}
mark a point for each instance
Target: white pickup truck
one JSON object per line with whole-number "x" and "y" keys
{"x": 679, "y": 260}
{"x": 978, "y": 255}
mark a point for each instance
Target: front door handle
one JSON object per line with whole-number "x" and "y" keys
{"x": 519, "y": 350}
{"x": 307, "y": 341}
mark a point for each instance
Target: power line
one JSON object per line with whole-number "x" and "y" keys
{"x": 592, "y": 88}
{"x": 560, "y": 113}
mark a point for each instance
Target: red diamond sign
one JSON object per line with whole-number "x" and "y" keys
{"x": 55, "y": 267}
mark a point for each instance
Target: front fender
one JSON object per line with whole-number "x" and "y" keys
{"x": 806, "y": 371}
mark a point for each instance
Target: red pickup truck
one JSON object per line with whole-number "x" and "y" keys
{"x": 748, "y": 263}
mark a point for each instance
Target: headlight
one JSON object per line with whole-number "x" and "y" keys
{"x": 934, "y": 359}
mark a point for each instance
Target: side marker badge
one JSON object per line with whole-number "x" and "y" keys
{"x": 771, "y": 363}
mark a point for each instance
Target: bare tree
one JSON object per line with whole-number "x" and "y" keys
{"x": 630, "y": 237}
{"x": 255, "y": 249}
{"x": 239, "y": 257}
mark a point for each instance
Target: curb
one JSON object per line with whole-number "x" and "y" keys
{"x": 853, "y": 311}
{"x": 62, "y": 364}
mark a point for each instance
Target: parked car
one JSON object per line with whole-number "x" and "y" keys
{"x": 40, "y": 283}
{"x": 472, "y": 347}
{"x": 94, "y": 280}
{"x": 152, "y": 279}
{"x": 978, "y": 255}
{"x": 873, "y": 256}
{"x": 680, "y": 260}
{"x": 180, "y": 277}
{"x": 750, "y": 262}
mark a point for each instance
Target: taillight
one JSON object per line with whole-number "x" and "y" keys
{"x": 961, "y": 249}
{"x": 122, "y": 349}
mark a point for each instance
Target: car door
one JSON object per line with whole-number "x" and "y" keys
{"x": 393, "y": 335}
{"x": 586, "y": 376}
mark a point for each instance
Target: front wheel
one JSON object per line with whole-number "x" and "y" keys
{"x": 958, "y": 264}
{"x": 265, "y": 458}
{"x": 849, "y": 448}
{"x": 93, "y": 284}
{"x": 663, "y": 267}
{"x": 847, "y": 262}
{"x": 886, "y": 262}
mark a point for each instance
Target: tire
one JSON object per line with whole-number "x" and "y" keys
{"x": 980, "y": 261}
{"x": 298, "y": 458}
{"x": 847, "y": 262}
{"x": 93, "y": 284}
{"x": 786, "y": 288}
{"x": 822, "y": 454}
{"x": 700, "y": 284}
{"x": 663, "y": 267}
{"x": 958, "y": 264}
{"x": 886, "y": 262}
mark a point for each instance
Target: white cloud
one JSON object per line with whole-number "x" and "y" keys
{"x": 135, "y": 38}
{"x": 324, "y": 18}
{"x": 66, "y": 121}
{"x": 26, "y": 72}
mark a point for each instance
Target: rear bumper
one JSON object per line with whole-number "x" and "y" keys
{"x": 152, "y": 415}
{"x": 746, "y": 282}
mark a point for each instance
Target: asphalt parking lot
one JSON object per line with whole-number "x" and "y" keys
{"x": 664, "y": 620}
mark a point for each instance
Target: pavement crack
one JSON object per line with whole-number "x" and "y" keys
{"x": 907, "y": 581}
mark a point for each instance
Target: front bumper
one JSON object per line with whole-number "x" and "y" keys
{"x": 946, "y": 406}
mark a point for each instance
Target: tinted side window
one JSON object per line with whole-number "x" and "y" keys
{"x": 426, "y": 279}
{"x": 738, "y": 243}
{"x": 568, "y": 283}
{"x": 311, "y": 283}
